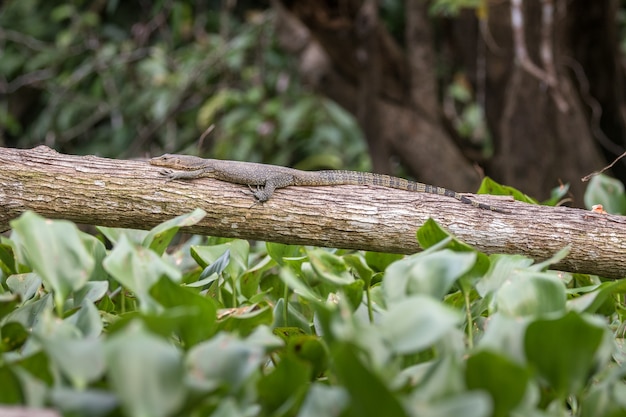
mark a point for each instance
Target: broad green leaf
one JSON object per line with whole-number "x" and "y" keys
{"x": 311, "y": 350}
{"x": 89, "y": 402}
{"x": 87, "y": 319}
{"x": 11, "y": 392}
{"x": 501, "y": 270}
{"x": 160, "y": 236}
{"x": 606, "y": 191}
{"x": 415, "y": 323}
{"x": 503, "y": 379}
{"x": 14, "y": 335}
{"x": 29, "y": 314}
{"x": 431, "y": 274}
{"x": 489, "y": 186}
{"x": 239, "y": 250}
{"x": 92, "y": 291}
{"x": 225, "y": 361}
{"x": 379, "y": 261}
{"x": 26, "y": 285}
{"x": 138, "y": 269}
{"x": 114, "y": 234}
{"x": 505, "y": 334}
{"x": 37, "y": 366}
{"x": 200, "y": 321}
{"x": 294, "y": 318}
{"x": 278, "y": 252}
{"x": 8, "y": 264}
{"x": 432, "y": 234}
{"x": 324, "y": 400}
{"x": 146, "y": 372}
{"x": 369, "y": 394}
{"x": 80, "y": 359}
{"x": 563, "y": 351}
{"x": 598, "y": 295}
{"x": 43, "y": 243}
{"x": 468, "y": 404}
{"x": 531, "y": 293}
{"x": 358, "y": 264}
{"x": 8, "y": 302}
{"x": 285, "y": 386}
{"x": 299, "y": 287}
{"x": 329, "y": 267}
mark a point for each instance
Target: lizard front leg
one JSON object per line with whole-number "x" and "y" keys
{"x": 184, "y": 175}
{"x": 263, "y": 192}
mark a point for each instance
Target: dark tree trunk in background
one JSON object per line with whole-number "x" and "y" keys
{"x": 339, "y": 59}
{"x": 551, "y": 86}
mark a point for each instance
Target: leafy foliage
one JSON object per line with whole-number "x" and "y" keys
{"x": 122, "y": 78}
{"x": 223, "y": 328}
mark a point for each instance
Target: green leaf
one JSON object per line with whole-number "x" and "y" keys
{"x": 379, "y": 261}
{"x": 145, "y": 372}
{"x": 433, "y": 236}
{"x": 503, "y": 379}
{"x": 416, "y": 322}
{"x": 13, "y": 336}
{"x": 467, "y": 404}
{"x": 11, "y": 392}
{"x": 8, "y": 264}
{"x": 200, "y": 321}
{"x": 29, "y": 314}
{"x": 369, "y": 395}
{"x": 502, "y": 267}
{"x": 324, "y": 400}
{"x": 285, "y": 386}
{"x": 357, "y": 263}
{"x": 239, "y": 250}
{"x": 556, "y": 195}
{"x": 138, "y": 269}
{"x": 597, "y": 295}
{"x": 8, "y": 302}
{"x": 431, "y": 274}
{"x": 606, "y": 191}
{"x": 43, "y": 243}
{"x": 160, "y": 236}
{"x": 26, "y": 285}
{"x": 563, "y": 351}
{"x": 278, "y": 252}
{"x": 225, "y": 362}
{"x": 531, "y": 293}
{"x": 330, "y": 268}
{"x": 299, "y": 287}
{"x": 489, "y": 186}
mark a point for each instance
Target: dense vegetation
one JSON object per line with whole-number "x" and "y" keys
{"x": 133, "y": 323}
{"x": 151, "y": 324}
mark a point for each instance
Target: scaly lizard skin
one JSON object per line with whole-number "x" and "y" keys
{"x": 267, "y": 178}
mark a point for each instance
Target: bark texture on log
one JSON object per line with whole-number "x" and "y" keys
{"x": 133, "y": 194}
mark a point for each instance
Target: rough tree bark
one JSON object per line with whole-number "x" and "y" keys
{"x": 541, "y": 120}
{"x": 133, "y": 194}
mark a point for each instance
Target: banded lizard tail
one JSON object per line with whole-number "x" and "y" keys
{"x": 267, "y": 178}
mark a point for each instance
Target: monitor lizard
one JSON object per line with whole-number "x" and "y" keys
{"x": 267, "y": 178}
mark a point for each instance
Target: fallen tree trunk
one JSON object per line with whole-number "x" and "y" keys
{"x": 123, "y": 193}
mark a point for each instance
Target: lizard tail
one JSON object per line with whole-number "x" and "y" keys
{"x": 466, "y": 200}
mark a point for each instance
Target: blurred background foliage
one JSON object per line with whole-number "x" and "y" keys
{"x": 131, "y": 79}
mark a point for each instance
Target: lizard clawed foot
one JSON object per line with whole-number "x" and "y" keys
{"x": 253, "y": 192}
{"x": 168, "y": 174}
